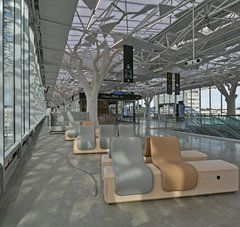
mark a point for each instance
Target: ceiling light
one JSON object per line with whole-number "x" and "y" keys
{"x": 116, "y": 44}
{"x": 158, "y": 69}
{"x": 93, "y": 11}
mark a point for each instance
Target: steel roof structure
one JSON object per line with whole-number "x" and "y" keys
{"x": 165, "y": 36}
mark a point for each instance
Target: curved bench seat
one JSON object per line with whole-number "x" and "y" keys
{"x": 187, "y": 155}
{"x": 214, "y": 176}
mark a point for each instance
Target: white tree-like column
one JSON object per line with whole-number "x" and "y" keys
{"x": 90, "y": 74}
{"x": 147, "y": 102}
{"x": 228, "y": 89}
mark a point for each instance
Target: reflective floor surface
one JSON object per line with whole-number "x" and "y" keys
{"x": 52, "y": 187}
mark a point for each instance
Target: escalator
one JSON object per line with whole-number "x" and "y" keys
{"x": 193, "y": 126}
{"x": 211, "y": 125}
{"x": 220, "y": 126}
{"x": 227, "y": 125}
{"x": 230, "y": 120}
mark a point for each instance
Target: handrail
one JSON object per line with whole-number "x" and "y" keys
{"x": 201, "y": 124}
{"x": 210, "y": 120}
{"x": 202, "y": 131}
{"x": 229, "y": 127}
{"x": 234, "y": 119}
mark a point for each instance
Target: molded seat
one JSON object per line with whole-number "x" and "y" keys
{"x": 86, "y": 139}
{"x": 73, "y": 129}
{"x": 126, "y": 131}
{"x": 133, "y": 176}
{"x": 106, "y": 132}
{"x": 177, "y": 175}
{"x": 73, "y": 132}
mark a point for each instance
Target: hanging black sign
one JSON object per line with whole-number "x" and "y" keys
{"x": 177, "y": 84}
{"x": 169, "y": 83}
{"x": 127, "y": 64}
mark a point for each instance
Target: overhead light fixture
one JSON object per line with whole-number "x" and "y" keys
{"x": 181, "y": 61}
{"x": 90, "y": 20}
{"x": 115, "y": 45}
{"x": 90, "y": 5}
{"x": 158, "y": 69}
{"x": 154, "y": 58}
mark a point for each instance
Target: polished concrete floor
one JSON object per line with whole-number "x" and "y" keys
{"x": 54, "y": 188}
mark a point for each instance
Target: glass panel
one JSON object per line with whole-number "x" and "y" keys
{"x": 161, "y": 98}
{"x": 37, "y": 109}
{"x": 26, "y": 67}
{"x": 224, "y": 106}
{"x": 180, "y": 97}
{"x": 205, "y": 101}
{"x": 215, "y": 101}
{"x": 33, "y": 82}
{"x": 8, "y": 72}
{"x": 195, "y": 101}
{"x": 23, "y": 68}
{"x": 167, "y": 98}
{"x": 187, "y": 101}
{"x": 187, "y": 98}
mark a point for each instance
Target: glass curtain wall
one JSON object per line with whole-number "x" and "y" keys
{"x": 8, "y": 72}
{"x": 36, "y": 86}
{"x": 25, "y": 65}
{"x": 205, "y": 100}
{"x": 26, "y": 72}
{"x": 22, "y": 86}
